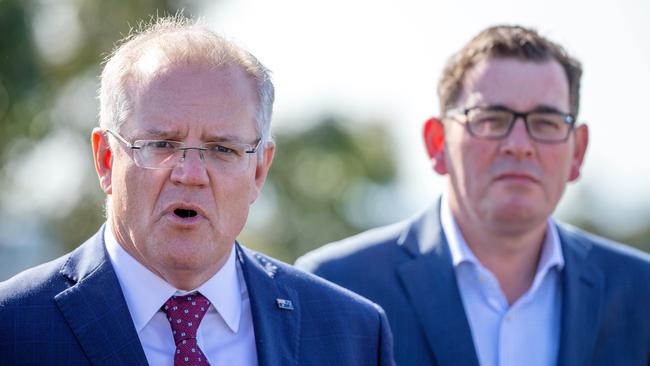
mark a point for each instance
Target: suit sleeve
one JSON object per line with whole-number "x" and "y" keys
{"x": 385, "y": 351}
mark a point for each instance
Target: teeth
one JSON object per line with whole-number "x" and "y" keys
{"x": 184, "y": 213}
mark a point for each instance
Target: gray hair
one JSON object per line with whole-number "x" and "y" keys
{"x": 177, "y": 40}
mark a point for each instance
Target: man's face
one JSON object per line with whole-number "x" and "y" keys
{"x": 514, "y": 184}
{"x": 195, "y": 105}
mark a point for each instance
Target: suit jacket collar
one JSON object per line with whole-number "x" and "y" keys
{"x": 582, "y": 298}
{"x": 95, "y": 309}
{"x": 275, "y": 309}
{"x": 430, "y": 282}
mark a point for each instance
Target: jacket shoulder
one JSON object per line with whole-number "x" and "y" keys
{"x": 313, "y": 289}
{"x": 43, "y": 282}
{"x": 601, "y": 248}
{"x": 355, "y": 250}
{"x": 327, "y": 311}
{"x": 34, "y": 285}
{"x": 616, "y": 259}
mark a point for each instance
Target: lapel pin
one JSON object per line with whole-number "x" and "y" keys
{"x": 284, "y": 304}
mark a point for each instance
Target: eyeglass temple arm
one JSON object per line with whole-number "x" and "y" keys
{"x": 254, "y": 149}
{"x": 122, "y": 139}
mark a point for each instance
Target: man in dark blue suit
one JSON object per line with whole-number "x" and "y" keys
{"x": 486, "y": 275}
{"x": 182, "y": 151}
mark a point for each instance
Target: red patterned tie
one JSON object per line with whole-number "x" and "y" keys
{"x": 185, "y": 314}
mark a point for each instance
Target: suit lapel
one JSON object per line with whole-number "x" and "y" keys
{"x": 275, "y": 310}
{"x": 95, "y": 309}
{"x": 430, "y": 283}
{"x": 582, "y": 296}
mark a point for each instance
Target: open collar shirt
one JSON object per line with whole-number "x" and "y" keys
{"x": 225, "y": 334}
{"x": 524, "y": 333}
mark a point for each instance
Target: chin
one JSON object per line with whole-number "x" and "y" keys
{"x": 188, "y": 256}
{"x": 519, "y": 216}
{"x": 511, "y": 207}
{"x": 187, "y": 263}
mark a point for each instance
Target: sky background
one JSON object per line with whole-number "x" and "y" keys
{"x": 381, "y": 60}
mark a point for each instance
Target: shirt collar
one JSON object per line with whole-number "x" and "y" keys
{"x": 145, "y": 292}
{"x": 460, "y": 252}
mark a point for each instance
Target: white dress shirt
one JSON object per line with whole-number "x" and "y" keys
{"x": 225, "y": 334}
{"x": 524, "y": 333}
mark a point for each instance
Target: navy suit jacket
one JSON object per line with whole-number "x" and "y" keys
{"x": 71, "y": 311}
{"x": 406, "y": 268}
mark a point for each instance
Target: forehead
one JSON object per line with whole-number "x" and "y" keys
{"x": 520, "y": 85}
{"x": 186, "y": 98}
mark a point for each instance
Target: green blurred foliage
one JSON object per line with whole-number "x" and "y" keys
{"x": 317, "y": 181}
{"x": 322, "y": 186}
{"x": 330, "y": 180}
{"x": 31, "y": 81}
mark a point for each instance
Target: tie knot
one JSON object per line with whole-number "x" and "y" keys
{"x": 185, "y": 313}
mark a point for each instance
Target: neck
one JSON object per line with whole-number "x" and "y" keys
{"x": 511, "y": 257}
{"x": 185, "y": 277}
{"x": 186, "y": 280}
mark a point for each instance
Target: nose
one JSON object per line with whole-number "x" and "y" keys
{"x": 518, "y": 143}
{"x": 190, "y": 169}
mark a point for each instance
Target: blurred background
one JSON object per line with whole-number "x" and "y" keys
{"x": 354, "y": 82}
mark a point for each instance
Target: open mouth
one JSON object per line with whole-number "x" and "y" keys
{"x": 183, "y": 213}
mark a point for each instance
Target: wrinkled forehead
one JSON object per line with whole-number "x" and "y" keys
{"x": 518, "y": 84}
{"x": 191, "y": 77}
{"x": 186, "y": 97}
{"x": 154, "y": 63}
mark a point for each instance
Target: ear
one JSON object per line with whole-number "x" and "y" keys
{"x": 103, "y": 157}
{"x": 262, "y": 169}
{"x": 580, "y": 149}
{"x": 434, "y": 140}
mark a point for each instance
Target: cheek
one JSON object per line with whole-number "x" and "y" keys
{"x": 231, "y": 204}
{"x": 120, "y": 192}
{"x": 476, "y": 159}
{"x": 557, "y": 166}
{"x": 232, "y": 190}
{"x": 139, "y": 191}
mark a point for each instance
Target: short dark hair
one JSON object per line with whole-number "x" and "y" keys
{"x": 506, "y": 41}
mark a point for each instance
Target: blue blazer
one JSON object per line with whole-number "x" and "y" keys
{"x": 406, "y": 268}
{"x": 71, "y": 311}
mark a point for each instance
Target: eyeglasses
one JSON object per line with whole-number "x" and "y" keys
{"x": 496, "y": 123}
{"x": 165, "y": 154}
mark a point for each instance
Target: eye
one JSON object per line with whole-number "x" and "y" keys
{"x": 490, "y": 120}
{"x": 222, "y": 149}
{"x": 159, "y": 145}
{"x": 546, "y": 122}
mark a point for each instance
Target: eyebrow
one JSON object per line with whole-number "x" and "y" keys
{"x": 225, "y": 138}
{"x": 173, "y": 135}
{"x": 544, "y": 108}
{"x": 547, "y": 108}
{"x": 161, "y": 134}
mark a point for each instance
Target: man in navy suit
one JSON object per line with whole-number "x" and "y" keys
{"x": 486, "y": 275}
{"x": 182, "y": 151}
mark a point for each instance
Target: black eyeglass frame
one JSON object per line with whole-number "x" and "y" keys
{"x": 568, "y": 118}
